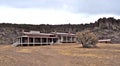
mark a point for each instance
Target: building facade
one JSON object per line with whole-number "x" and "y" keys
{"x": 65, "y": 37}
{"x": 37, "y": 38}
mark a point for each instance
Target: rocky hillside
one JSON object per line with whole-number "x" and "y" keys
{"x": 104, "y": 28}
{"x": 108, "y": 28}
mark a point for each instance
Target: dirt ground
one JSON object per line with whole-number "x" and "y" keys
{"x": 60, "y": 55}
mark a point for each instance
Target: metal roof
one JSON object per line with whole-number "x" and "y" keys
{"x": 102, "y": 40}
{"x": 64, "y": 33}
{"x": 36, "y": 33}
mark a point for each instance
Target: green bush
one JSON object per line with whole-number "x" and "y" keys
{"x": 87, "y": 39}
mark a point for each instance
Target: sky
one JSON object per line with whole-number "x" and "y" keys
{"x": 57, "y": 11}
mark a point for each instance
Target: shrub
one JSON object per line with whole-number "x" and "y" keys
{"x": 87, "y": 39}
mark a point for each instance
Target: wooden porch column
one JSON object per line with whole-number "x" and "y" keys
{"x": 74, "y": 39}
{"x": 52, "y": 41}
{"x": 47, "y": 40}
{"x": 33, "y": 41}
{"x": 41, "y": 41}
{"x": 61, "y": 39}
{"x": 28, "y": 41}
{"x": 71, "y": 39}
{"x": 21, "y": 41}
{"x": 66, "y": 38}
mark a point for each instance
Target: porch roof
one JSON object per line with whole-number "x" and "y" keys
{"x": 37, "y": 36}
{"x": 65, "y": 34}
{"x": 30, "y": 33}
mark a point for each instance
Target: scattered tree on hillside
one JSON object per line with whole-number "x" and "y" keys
{"x": 87, "y": 39}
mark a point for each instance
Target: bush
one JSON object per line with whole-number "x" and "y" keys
{"x": 87, "y": 39}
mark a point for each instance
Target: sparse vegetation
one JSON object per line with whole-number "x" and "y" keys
{"x": 60, "y": 55}
{"x": 101, "y": 28}
{"x": 87, "y": 39}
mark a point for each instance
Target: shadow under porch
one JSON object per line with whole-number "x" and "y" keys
{"x": 35, "y": 41}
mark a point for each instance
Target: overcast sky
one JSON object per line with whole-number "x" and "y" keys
{"x": 57, "y": 11}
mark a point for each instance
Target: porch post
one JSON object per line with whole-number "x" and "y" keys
{"x": 66, "y": 38}
{"x": 41, "y": 41}
{"x": 28, "y": 40}
{"x": 21, "y": 42}
{"x": 52, "y": 41}
{"x": 71, "y": 39}
{"x": 61, "y": 39}
{"x": 47, "y": 40}
{"x": 33, "y": 41}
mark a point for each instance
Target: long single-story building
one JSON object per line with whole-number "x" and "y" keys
{"x": 37, "y": 38}
{"x": 65, "y": 37}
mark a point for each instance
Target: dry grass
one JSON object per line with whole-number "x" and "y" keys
{"x": 24, "y": 50}
{"x": 60, "y": 55}
{"x": 103, "y": 51}
{"x": 104, "y": 55}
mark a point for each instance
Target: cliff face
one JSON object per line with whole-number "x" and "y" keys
{"x": 104, "y": 28}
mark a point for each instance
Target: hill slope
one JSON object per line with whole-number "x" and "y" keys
{"x": 104, "y": 28}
